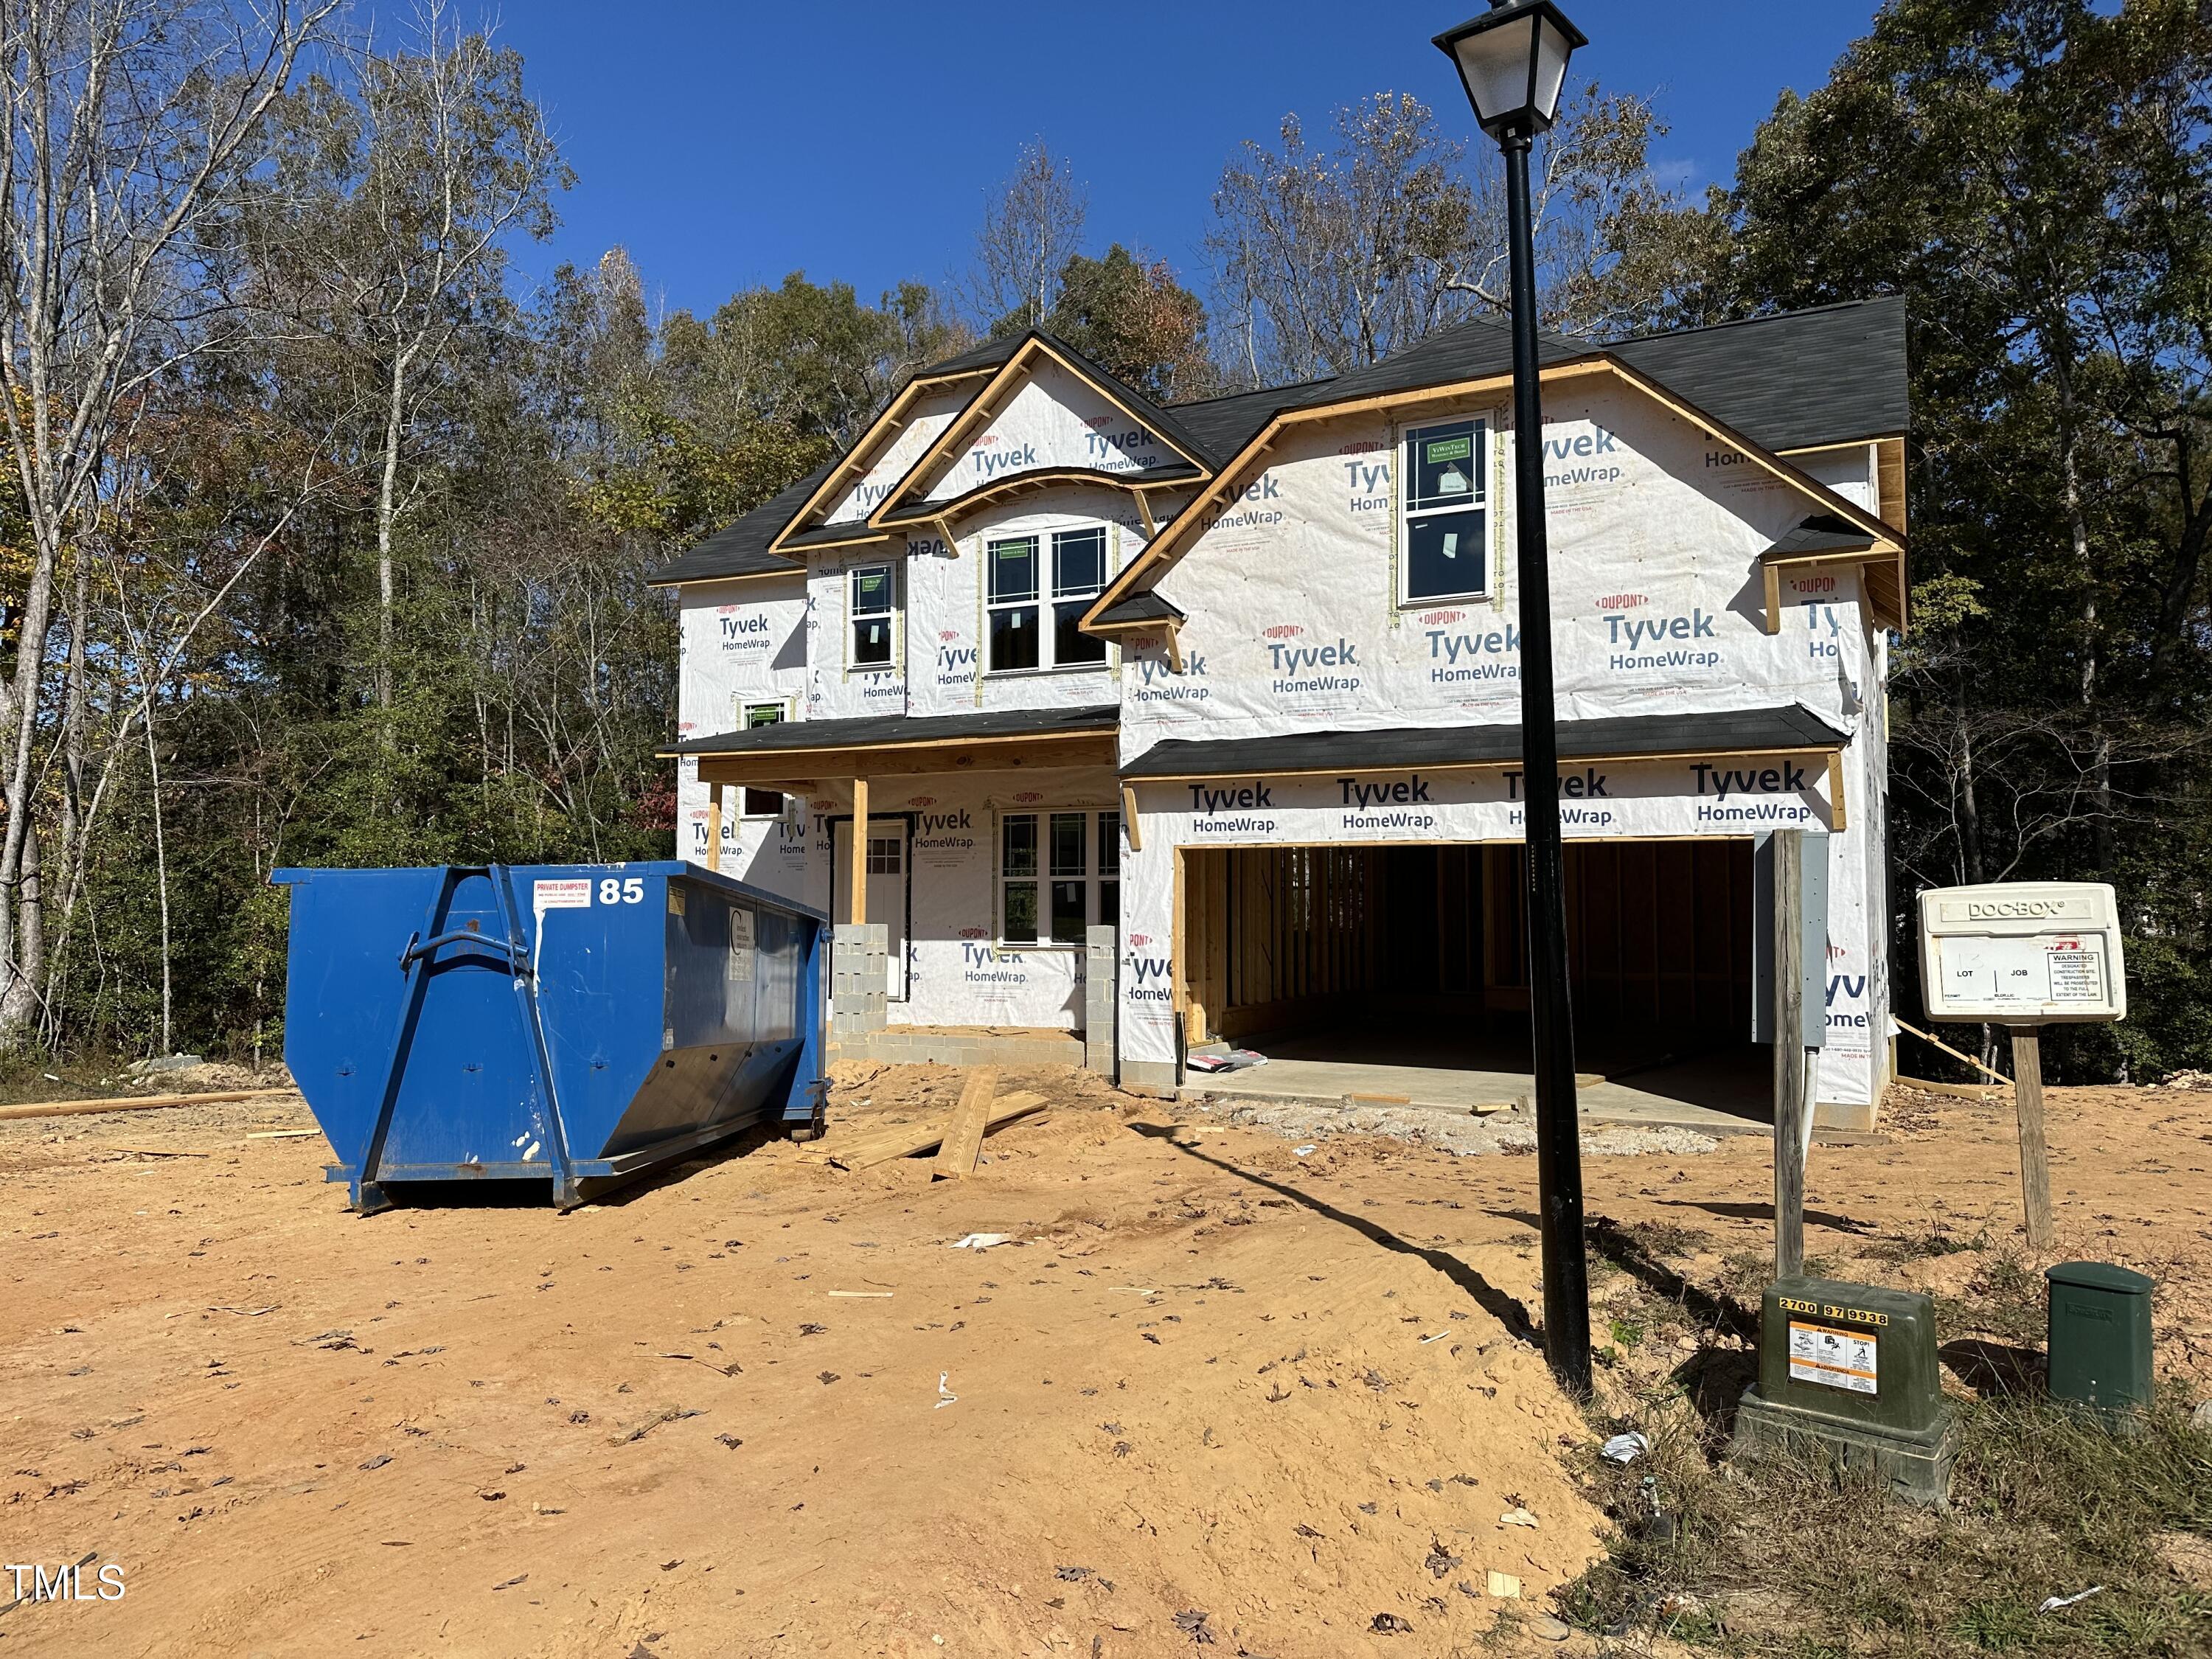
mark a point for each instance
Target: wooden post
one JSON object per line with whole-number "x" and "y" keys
{"x": 2034, "y": 1157}
{"x": 859, "y": 851}
{"x": 715, "y": 826}
{"x": 1790, "y": 1104}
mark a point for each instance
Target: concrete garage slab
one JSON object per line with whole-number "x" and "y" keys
{"x": 1726, "y": 1092}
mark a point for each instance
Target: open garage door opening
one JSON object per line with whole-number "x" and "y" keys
{"x": 1399, "y": 973}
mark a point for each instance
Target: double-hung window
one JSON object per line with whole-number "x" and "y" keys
{"x": 872, "y": 604}
{"x": 1446, "y": 513}
{"x": 1059, "y": 873}
{"x": 1019, "y": 588}
{"x": 761, "y": 803}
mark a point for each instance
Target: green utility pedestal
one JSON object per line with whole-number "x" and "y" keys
{"x": 2100, "y": 1338}
{"x": 1851, "y": 1369}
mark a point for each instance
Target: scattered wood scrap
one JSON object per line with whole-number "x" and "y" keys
{"x": 963, "y": 1139}
{"x": 907, "y": 1140}
{"x": 134, "y": 1103}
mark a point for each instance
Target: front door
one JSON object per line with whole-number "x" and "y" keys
{"x": 887, "y": 903}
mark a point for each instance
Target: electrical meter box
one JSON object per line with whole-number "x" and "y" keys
{"x": 2022, "y": 953}
{"x": 1850, "y": 1370}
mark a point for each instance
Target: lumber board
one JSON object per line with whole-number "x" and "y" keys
{"x": 964, "y": 1138}
{"x": 907, "y": 1140}
{"x": 133, "y": 1104}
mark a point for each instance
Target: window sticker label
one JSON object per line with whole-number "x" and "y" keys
{"x": 1832, "y": 1358}
{"x": 1450, "y": 449}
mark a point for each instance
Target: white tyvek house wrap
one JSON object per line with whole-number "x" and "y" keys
{"x": 742, "y": 642}
{"x": 1658, "y": 607}
{"x": 1052, "y": 420}
{"x": 925, "y": 424}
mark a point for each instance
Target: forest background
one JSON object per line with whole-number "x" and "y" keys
{"x": 321, "y": 542}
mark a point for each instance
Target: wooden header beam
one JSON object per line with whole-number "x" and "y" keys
{"x": 794, "y": 769}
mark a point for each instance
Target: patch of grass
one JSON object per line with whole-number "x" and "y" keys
{"x": 1785, "y": 1558}
{"x": 1661, "y": 1239}
{"x": 1907, "y": 1247}
{"x": 1626, "y": 1332}
{"x": 2007, "y": 1299}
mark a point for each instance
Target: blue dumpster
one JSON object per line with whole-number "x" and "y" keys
{"x": 577, "y": 1025}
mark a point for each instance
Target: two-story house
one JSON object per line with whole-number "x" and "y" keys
{"x": 1240, "y": 678}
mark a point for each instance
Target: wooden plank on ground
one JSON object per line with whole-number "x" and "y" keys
{"x": 906, "y": 1140}
{"x": 963, "y": 1139}
{"x": 138, "y": 1103}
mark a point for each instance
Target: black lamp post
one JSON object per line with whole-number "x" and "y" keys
{"x": 1513, "y": 60}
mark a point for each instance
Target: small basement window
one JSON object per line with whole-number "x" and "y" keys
{"x": 873, "y": 607}
{"x": 1445, "y": 518}
{"x": 1059, "y": 873}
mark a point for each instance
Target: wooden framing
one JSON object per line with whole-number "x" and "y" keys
{"x": 1838, "y": 814}
{"x": 1129, "y": 819}
{"x": 1014, "y": 483}
{"x": 1266, "y": 937}
{"x": 794, "y": 770}
{"x": 981, "y": 409}
{"x": 714, "y": 827}
{"x": 886, "y": 425}
{"x": 859, "y": 886}
{"x": 798, "y": 571}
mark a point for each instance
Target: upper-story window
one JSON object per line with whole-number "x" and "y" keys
{"x": 872, "y": 605}
{"x": 1036, "y": 590}
{"x": 1446, "y": 517}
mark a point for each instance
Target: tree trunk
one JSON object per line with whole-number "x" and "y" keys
{"x": 387, "y": 495}
{"x": 2078, "y": 531}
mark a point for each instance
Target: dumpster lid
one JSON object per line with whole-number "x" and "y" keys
{"x": 2101, "y": 1276}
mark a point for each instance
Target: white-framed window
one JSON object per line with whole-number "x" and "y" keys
{"x": 1059, "y": 872}
{"x": 872, "y": 607}
{"x": 761, "y": 803}
{"x": 1444, "y": 513}
{"x": 1035, "y": 591}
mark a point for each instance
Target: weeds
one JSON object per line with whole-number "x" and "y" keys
{"x": 1791, "y": 1558}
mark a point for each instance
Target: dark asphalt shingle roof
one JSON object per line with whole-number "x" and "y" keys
{"x": 1225, "y": 425}
{"x": 741, "y": 549}
{"x": 1145, "y": 607}
{"x": 1790, "y": 381}
{"x": 1824, "y": 533}
{"x": 876, "y": 731}
{"x": 923, "y": 511}
{"x": 1733, "y": 732}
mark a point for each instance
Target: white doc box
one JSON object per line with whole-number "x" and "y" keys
{"x": 2022, "y": 953}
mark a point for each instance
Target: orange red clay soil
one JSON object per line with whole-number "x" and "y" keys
{"x": 763, "y": 1407}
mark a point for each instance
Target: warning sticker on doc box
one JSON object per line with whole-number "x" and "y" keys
{"x": 1833, "y": 1358}
{"x": 574, "y": 894}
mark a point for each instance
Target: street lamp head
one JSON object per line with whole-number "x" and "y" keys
{"x": 1512, "y": 60}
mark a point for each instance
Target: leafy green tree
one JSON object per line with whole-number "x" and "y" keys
{"x": 1134, "y": 320}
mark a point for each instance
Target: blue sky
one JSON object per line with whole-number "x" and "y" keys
{"x": 726, "y": 142}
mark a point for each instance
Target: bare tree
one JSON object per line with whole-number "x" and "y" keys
{"x": 1327, "y": 260}
{"x": 127, "y": 122}
{"x": 1030, "y": 230}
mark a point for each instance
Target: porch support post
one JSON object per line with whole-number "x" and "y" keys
{"x": 715, "y": 826}
{"x": 859, "y": 883}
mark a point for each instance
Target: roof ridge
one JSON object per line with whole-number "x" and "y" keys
{"x": 1256, "y": 392}
{"x": 1745, "y": 322}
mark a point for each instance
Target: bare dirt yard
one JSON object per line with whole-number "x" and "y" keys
{"x": 1215, "y": 1393}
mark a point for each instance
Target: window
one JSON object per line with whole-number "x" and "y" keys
{"x": 1446, "y": 513}
{"x": 1013, "y": 604}
{"x": 761, "y": 803}
{"x": 886, "y": 855}
{"x": 1022, "y": 634}
{"x": 872, "y": 609}
{"x": 1059, "y": 873}
{"x": 1078, "y": 571}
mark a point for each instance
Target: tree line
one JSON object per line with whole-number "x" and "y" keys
{"x": 324, "y": 540}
